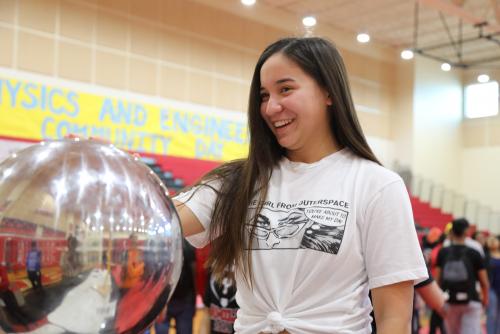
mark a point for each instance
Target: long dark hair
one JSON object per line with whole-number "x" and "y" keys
{"x": 245, "y": 180}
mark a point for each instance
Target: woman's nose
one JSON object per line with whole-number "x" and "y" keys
{"x": 273, "y": 106}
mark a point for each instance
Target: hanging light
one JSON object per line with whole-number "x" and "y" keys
{"x": 445, "y": 67}
{"x": 363, "y": 37}
{"x": 309, "y": 21}
{"x": 483, "y": 78}
{"x": 248, "y": 2}
{"x": 407, "y": 54}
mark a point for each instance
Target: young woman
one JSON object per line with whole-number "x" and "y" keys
{"x": 310, "y": 219}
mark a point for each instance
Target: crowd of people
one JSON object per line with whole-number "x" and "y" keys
{"x": 466, "y": 265}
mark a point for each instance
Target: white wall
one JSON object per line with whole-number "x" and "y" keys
{"x": 437, "y": 116}
{"x": 383, "y": 150}
{"x": 481, "y": 182}
{"x": 402, "y": 115}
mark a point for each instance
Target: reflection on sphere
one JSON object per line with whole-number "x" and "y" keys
{"x": 89, "y": 240}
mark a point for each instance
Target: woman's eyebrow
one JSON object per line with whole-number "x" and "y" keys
{"x": 280, "y": 81}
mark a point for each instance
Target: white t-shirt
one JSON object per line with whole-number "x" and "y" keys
{"x": 328, "y": 232}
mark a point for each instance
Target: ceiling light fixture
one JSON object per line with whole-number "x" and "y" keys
{"x": 309, "y": 21}
{"x": 363, "y": 38}
{"x": 483, "y": 78}
{"x": 445, "y": 67}
{"x": 248, "y": 2}
{"x": 407, "y": 54}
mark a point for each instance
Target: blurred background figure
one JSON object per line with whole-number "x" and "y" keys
{"x": 482, "y": 238}
{"x": 467, "y": 240}
{"x": 493, "y": 311}
{"x": 133, "y": 269}
{"x": 459, "y": 268}
{"x": 432, "y": 244}
{"x": 182, "y": 305}
{"x": 70, "y": 260}
{"x": 34, "y": 266}
{"x": 221, "y": 306}
{"x": 163, "y": 260}
{"x": 150, "y": 261}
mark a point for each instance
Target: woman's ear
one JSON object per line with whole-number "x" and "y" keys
{"x": 328, "y": 100}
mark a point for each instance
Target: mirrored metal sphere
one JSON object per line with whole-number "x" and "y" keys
{"x": 89, "y": 240}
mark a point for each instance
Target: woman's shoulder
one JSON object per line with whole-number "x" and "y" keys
{"x": 374, "y": 173}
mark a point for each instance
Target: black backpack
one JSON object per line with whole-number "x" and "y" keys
{"x": 457, "y": 277}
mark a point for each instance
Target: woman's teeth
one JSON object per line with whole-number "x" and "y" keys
{"x": 282, "y": 123}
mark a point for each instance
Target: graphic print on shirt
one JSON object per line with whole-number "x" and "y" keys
{"x": 314, "y": 227}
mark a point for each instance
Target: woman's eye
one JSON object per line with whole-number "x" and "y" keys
{"x": 264, "y": 97}
{"x": 285, "y": 89}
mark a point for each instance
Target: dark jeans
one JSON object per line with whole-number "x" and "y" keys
{"x": 35, "y": 278}
{"x": 183, "y": 312}
{"x": 436, "y": 323}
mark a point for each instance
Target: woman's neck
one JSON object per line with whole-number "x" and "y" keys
{"x": 311, "y": 155}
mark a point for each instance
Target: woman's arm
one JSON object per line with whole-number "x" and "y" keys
{"x": 433, "y": 296}
{"x": 393, "y": 307}
{"x": 190, "y": 224}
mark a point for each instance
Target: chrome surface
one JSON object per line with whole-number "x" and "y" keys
{"x": 90, "y": 241}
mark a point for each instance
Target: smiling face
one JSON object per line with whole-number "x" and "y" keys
{"x": 295, "y": 108}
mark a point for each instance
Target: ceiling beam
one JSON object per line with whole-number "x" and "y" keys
{"x": 449, "y": 8}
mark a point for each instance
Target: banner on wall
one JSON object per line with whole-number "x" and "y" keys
{"x": 36, "y": 107}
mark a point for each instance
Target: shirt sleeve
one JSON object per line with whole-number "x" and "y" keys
{"x": 200, "y": 200}
{"x": 425, "y": 282}
{"x": 390, "y": 244}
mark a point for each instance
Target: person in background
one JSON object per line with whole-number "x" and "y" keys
{"x": 431, "y": 240}
{"x": 150, "y": 261}
{"x": 459, "y": 268}
{"x": 182, "y": 304}
{"x": 34, "y": 266}
{"x": 493, "y": 311}
{"x": 433, "y": 243}
{"x": 70, "y": 260}
{"x": 482, "y": 238}
{"x": 133, "y": 269}
{"x": 469, "y": 242}
{"x": 221, "y": 306}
